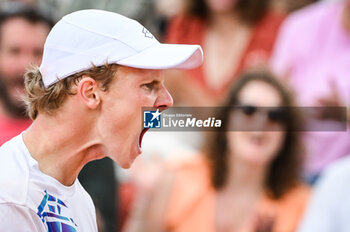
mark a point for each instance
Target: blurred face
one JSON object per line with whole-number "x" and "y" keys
{"x": 257, "y": 147}
{"x": 21, "y": 44}
{"x": 122, "y": 109}
{"x": 221, "y": 6}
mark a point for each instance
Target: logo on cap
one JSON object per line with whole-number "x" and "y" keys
{"x": 151, "y": 119}
{"x": 147, "y": 33}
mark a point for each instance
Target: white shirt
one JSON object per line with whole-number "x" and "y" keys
{"x": 329, "y": 208}
{"x": 33, "y": 201}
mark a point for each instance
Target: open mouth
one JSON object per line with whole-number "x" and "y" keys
{"x": 143, "y": 132}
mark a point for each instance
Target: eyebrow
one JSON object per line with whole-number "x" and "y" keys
{"x": 154, "y": 82}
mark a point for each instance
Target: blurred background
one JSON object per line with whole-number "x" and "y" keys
{"x": 257, "y": 53}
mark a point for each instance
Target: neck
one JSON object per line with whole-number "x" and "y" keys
{"x": 224, "y": 22}
{"x": 57, "y": 150}
{"x": 243, "y": 181}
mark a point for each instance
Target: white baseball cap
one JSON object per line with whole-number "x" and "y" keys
{"x": 88, "y": 37}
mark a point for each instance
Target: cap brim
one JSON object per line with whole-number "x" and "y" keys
{"x": 166, "y": 56}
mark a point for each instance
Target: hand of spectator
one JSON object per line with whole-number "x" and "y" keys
{"x": 332, "y": 100}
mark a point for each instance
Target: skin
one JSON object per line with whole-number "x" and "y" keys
{"x": 225, "y": 34}
{"x": 21, "y": 44}
{"x": 251, "y": 152}
{"x": 95, "y": 124}
{"x": 221, "y": 6}
{"x": 256, "y": 148}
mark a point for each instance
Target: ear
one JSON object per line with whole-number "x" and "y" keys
{"x": 88, "y": 91}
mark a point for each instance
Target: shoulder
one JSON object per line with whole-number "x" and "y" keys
{"x": 310, "y": 17}
{"x": 290, "y": 208}
{"x": 186, "y": 21}
{"x": 190, "y": 185}
{"x": 266, "y": 30}
{"x": 296, "y": 198}
{"x": 300, "y": 194}
{"x": 184, "y": 29}
{"x": 190, "y": 177}
{"x": 272, "y": 19}
{"x": 195, "y": 165}
{"x": 14, "y": 172}
{"x": 19, "y": 218}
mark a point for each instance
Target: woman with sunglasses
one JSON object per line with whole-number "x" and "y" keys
{"x": 247, "y": 179}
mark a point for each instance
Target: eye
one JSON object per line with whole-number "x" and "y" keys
{"x": 148, "y": 86}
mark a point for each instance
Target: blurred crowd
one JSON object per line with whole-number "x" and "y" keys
{"x": 265, "y": 56}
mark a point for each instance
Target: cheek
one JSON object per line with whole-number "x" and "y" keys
{"x": 236, "y": 143}
{"x": 8, "y": 64}
{"x": 274, "y": 143}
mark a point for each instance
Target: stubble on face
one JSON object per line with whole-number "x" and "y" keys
{"x": 10, "y": 97}
{"x": 16, "y": 54}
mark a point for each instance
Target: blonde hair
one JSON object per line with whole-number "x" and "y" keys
{"x": 41, "y": 99}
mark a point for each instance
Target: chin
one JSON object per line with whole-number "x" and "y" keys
{"x": 126, "y": 164}
{"x": 122, "y": 163}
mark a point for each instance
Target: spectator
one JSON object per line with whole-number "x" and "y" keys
{"x": 245, "y": 180}
{"x": 314, "y": 59}
{"x": 288, "y": 6}
{"x": 329, "y": 208}
{"x": 234, "y": 35}
{"x": 23, "y": 31}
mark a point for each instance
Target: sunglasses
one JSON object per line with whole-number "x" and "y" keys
{"x": 274, "y": 114}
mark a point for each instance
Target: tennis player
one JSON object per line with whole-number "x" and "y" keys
{"x": 98, "y": 70}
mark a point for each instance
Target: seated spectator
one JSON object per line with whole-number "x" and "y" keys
{"x": 329, "y": 208}
{"x": 244, "y": 180}
{"x": 315, "y": 59}
{"x": 234, "y": 34}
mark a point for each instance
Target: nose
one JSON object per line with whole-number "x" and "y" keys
{"x": 164, "y": 99}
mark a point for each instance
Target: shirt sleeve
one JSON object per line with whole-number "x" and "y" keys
{"x": 17, "y": 218}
